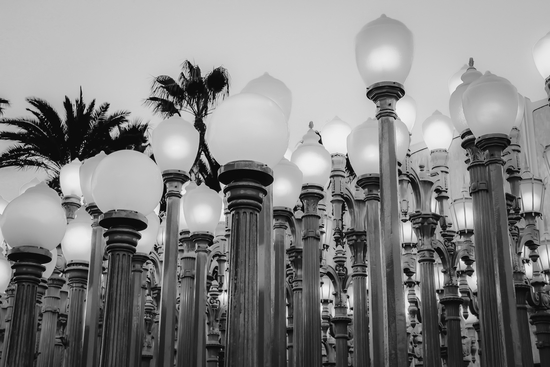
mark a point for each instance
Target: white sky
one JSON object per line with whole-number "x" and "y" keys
{"x": 114, "y": 48}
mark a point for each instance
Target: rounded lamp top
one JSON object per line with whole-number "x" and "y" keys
{"x": 3, "y": 204}
{"x": 5, "y": 273}
{"x": 50, "y": 266}
{"x": 287, "y": 183}
{"x": 175, "y": 143}
{"x": 402, "y": 140}
{"x": 384, "y": 51}
{"x": 248, "y": 126}
{"x": 335, "y": 134}
{"x": 541, "y": 54}
{"x": 490, "y": 105}
{"x": 363, "y": 149}
{"x": 437, "y": 131}
{"x": 35, "y": 218}
{"x": 456, "y": 79}
{"x": 202, "y": 207}
{"x": 405, "y": 109}
{"x": 86, "y": 172}
{"x": 456, "y": 109}
{"x": 127, "y": 180}
{"x": 77, "y": 242}
{"x": 312, "y": 159}
{"x": 272, "y": 88}
{"x": 149, "y": 235}
{"x": 69, "y": 179}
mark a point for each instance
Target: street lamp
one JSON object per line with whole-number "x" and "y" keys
{"x": 406, "y": 111}
{"x": 541, "y": 54}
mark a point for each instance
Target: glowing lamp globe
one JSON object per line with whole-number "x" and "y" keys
{"x": 490, "y": 105}
{"x": 326, "y": 289}
{"x": 35, "y": 218}
{"x": 335, "y": 134}
{"x": 35, "y": 181}
{"x": 127, "y": 180}
{"x": 86, "y": 172}
{"x": 202, "y": 208}
{"x": 455, "y": 102}
{"x": 532, "y": 194}
{"x": 541, "y": 54}
{"x": 521, "y": 110}
{"x": 77, "y": 242}
{"x": 5, "y": 273}
{"x": 3, "y": 204}
{"x": 544, "y": 252}
{"x": 363, "y": 149}
{"x": 50, "y": 266}
{"x": 69, "y": 179}
{"x": 149, "y": 235}
{"x": 462, "y": 213}
{"x": 438, "y": 131}
{"x": 384, "y": 51}
{"x": 402, "y": 140}
{"x": 161, "y": 234}
{"x": 248, "y": 126}
{"x": 175, "y": 144}
{"x": 456, "y": 79}
{"x": 405, "y": 109}
{"x": 312, "y": 159}
{"x": 272, "y": 88}
{"x": 287, "y": 183}
{"x": 408, "y": 234}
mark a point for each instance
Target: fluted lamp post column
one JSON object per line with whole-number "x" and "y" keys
{"x": 33, "y": 224}
{"x": 383, "y": 50}
{"x": 77, "y": 246}
{"x": 490, "y": 106}
{"x": 248, "y": 134}
{"x": 126, "y": 186}
{"x": 175, "y": 144}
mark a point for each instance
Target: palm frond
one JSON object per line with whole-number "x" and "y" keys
{"x": 3, "y": 104}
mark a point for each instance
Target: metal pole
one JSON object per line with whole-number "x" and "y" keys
{"x": 77, "y": 274}
{"x": 138, "y": 308}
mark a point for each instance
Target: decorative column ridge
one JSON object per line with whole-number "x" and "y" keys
{"x": 386, "y": 93}
{"x": 138, "y": 308}
{"x": 50, "y": 311}
{"x": 77, "y": 274}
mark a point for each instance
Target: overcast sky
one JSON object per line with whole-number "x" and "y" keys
{"x": 48, "y": 49}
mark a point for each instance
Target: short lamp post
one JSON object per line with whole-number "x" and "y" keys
{"x": 32, "y": 234}
{"x": 126, "y": 186}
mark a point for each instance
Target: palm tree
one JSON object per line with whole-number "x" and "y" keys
{"x": 3, "y": 104}
{"x": 47, "y": 141}
{"x": 198, "y": 95}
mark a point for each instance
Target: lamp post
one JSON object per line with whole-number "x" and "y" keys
{"x": 126, "y": 186}
{"x": 31, "y": 234}
{"x": 383, "y": 52}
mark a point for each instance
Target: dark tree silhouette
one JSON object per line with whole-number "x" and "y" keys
{"x": 3, "y": 104}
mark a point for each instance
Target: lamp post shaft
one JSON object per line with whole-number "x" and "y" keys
{"x": 186, "y": 335}
{"x": 77, "y": 274}
{"x": 50, "y": 312}
{"x": 452, "y": 301}
{"x": 138, "y": 308}
{"x": 295, "y": 255}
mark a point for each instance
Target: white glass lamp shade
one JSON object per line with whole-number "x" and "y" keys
{"x": 272, "y": 88}
{"x": 407, "y": 233}
{"x": 384, "y": 51}
{"x": 541, "y": 55}
{"x": 521, "y": 110}
{"x": 248, "y": 126}
{"x": 462, "y": 214}
{"x": 202, "y": 208}
{"x": 326, "y": 289}
{"x": 402, "y": 140}
{"x": 438, "y": 276}
{"x": 127, "y": 180}
{"x": 50, "y": 266}
{"x": 490, "y": 105}
{"x": 149, "y": 234}
{"x": 5, "y": 273}
{"x": 287, "y": 183}
{"x": 86, "y": 172}
{"x": 35, "y": 218}
{"x": 313, "y": 160}
{"x": 32, "y": 183}
{"x": 528, "y": 267}
{"x": 363, "y": 149}
{"x": 335, "y": 134}
{"x": 456, "y": 109}
{"x": 161, "y": 234}
{"x": 3, "y": 204}
{"x": 77, "y": 242}
{"x": 175, "y": 144}
{"x": 405, "y": 109}
{"x": 472, "y": 280}
{"x": 544, "y": 252}
{"x": 532, "y": 195}
{"x": 69, "y": 179}
{"x": 438, "y": 131}
{"x": 456, "y": 79}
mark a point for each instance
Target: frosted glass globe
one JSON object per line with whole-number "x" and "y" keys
{"x": 402, "y": 140}
{"x": 335, "y": 134}
{"x": 86, "y": 172}
{"x": 437, "y": 131}
{"x": 248, "y": 126}
{"x": 175, "y": 144}
{"x": 77, "y": 242}
{"x": 50, "y": 266}
{"x": 287, "y": 183}
{"x": 384, "y": 51}
{"x": 5, "y": 273}
{"x": 3, "y": 204}
{"x": 149, "y": 234}
{"x": 541, "y": 54}
{"x": 363, "y": 151}
{"x": 35, "y": 218}
{"x": 35, "y": 181}
{"x": 69, "y": 179}
{"x": 202, "y": 207}
{"x": 127, "y": 180}
{"x": 490, "y": 105}
{"x": 405, "y": 109}
{"x": 456, "y": 79}
{"x": 272, "y": 88}
{"x": 456, "y": 109}
{"x": 313, "y": 160}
